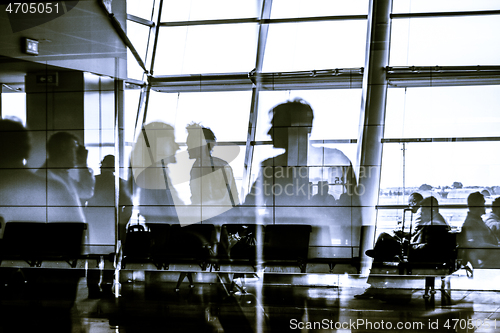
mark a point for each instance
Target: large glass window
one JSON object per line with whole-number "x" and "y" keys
{"x": 437, "y": 140}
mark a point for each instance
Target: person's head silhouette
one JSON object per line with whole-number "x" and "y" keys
{"x": 475, "y": 202}
{"x": 14, "y": 144}
{"x": 200, "y": 141}
{"x": 108, "y": 164}
{"x": 291, "y": 121}
{"x": 414, "y": 201}
{"x": 62, "y": 150}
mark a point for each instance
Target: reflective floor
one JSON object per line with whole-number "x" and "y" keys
{"x": 274, "y": 307}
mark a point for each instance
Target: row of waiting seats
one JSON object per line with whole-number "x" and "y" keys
{"x": 35, "y": 242}
{"x": 165, "y": 244}
{"x": 210, "y": 246}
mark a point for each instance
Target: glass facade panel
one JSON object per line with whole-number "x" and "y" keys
{"x": 450, "y": 41}
{"x": 206, "y": 49}
{"x": 424, "y": 6}
{"x": 134, "y": 71}
{"x": 437, "y": 112}
{"x": 303, "y": 46}
{"x": 297, "y": 8}
{"x": 226, "y": 113}
{"x": 140, "y": 8}
{"x": 139, "y": 36}
{"x": 450, "y": 171}
{"x": 194, "y": 10}
{"x": 336, "y": 112}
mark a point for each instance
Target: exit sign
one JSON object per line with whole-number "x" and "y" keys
{"x": 48, "y": 79}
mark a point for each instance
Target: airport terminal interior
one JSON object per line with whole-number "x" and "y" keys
{"x": 250, "y": 166}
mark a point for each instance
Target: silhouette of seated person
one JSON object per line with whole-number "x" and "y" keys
{"x": 154, "y": 150}
{"x": 387, "y": 246}
{"x": 67, "y": 163}
{"x": 104, "y": 196}
{"x": 323, "y": 197}
{"x": 430, "y": 241}
{"x": 492, "y": 219}
{"x": 476, "y": 240}
{"x": 25, "y": 196}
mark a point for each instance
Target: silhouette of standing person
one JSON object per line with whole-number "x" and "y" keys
{"x": 211, "y": 178}
{"x": 154, "y": 150}
{"x": 284, "y": 179}
{"x": 104, "y": 194}
{"x": 283, "y": 184}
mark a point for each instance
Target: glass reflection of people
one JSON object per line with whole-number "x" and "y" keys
{"x": 153, "y": 152}
{"x": 209, "y": 187}
{"x": 25, "y": 196}
{"x": 104, "y": 193}
{"x": 67, "y": 163}
{"x": 282, "y": 192}
{"x": 476, "y": 238}
{"x": 284, "y": 179}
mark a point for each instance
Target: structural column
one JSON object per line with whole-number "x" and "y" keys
{"x": 372, "y": 121}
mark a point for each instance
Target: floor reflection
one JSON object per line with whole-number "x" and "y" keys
{"x": 207, "y": 307}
